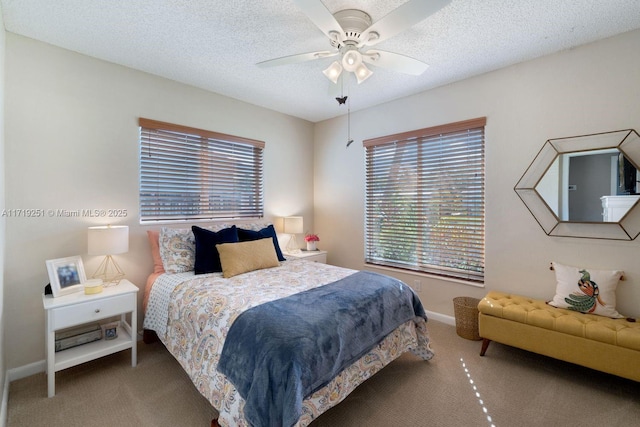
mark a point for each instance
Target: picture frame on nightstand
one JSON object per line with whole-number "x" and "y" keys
{"x": 110, "y": 330}
{"x": 66, "y": 275}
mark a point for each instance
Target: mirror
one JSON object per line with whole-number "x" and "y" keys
{"x": 586, "y": 186}
{"x": 593, "y": 186}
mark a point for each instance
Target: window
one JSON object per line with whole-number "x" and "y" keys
{"x": 188, "y": 174}
{"x": 425, "y": 200}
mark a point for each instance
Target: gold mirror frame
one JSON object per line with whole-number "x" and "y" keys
{"x": 627, "y": 228}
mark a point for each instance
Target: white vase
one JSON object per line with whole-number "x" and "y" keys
{"x": 311, "y": 246}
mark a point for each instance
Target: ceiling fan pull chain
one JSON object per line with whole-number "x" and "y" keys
{"x": 349, "y": 140}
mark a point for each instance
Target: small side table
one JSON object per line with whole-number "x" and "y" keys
{"x": 77, "y": 309}
{"x": 315, "y": 256}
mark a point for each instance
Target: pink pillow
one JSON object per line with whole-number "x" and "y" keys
{"x": 154, "y": 236}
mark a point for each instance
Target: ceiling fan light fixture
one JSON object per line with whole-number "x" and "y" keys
{"x": 333, "y": 71}
{"x": 351, "y": 60}
{"x": 362, "y": 73}
{"x": 349, "y": 30}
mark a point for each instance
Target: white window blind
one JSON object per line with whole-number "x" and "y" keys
{"x": 188, "y": 174}
{"x": 425, "y": 200}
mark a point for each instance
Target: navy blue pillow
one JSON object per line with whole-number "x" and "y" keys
{"x": 269, "y": 231}
{"x": 207, "y": 256}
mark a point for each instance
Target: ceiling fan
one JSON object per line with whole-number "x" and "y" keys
{"x": 352, "y": 33}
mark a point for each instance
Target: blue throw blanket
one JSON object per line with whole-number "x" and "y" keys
{"x": 279, "y": 352}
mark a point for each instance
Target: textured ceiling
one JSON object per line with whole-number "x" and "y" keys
{"x": 215, "y": 44}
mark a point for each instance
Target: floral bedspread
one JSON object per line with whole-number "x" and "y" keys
{"x": 192, "y": 315}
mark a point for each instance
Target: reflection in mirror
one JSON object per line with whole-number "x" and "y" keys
{"x": 586, "y": 186}
{"x": 592, "y": 186}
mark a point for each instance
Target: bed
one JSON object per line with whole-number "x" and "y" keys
{"x": 198, "y": 317}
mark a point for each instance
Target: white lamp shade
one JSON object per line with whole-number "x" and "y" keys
{"x": 333, "y": 71}
{"x": 351, "y": 60}
{"x": 293, "y": 224}
{"x": 108, "y": 240}
{"x": 362, "y": 73}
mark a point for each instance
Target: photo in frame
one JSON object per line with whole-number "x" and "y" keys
{"x": 110, "y": 330}
{"x": 66, "y": 275}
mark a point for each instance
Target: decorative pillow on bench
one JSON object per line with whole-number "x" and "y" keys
{"x": 586, "y": 290}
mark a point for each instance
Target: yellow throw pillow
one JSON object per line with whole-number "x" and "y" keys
{"x": 242, "y": 257}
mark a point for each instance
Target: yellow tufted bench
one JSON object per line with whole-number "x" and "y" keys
{"x": 608, "y": 345}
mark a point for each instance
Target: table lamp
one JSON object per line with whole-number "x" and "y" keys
{"x": 108, "y": 240}
{"x": 293, "y": 225}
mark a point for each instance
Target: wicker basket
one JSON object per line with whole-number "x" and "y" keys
{"x": 466, "y": 312}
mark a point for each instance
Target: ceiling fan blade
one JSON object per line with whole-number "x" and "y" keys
{"x": 318, "y": 13}
{"x": 394, "y": 61}
{"x": 401, "y": 18}
{"x": 294, "y": 59}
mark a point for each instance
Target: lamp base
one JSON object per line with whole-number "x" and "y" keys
{"x": 292, "y": 246}
{"x": 109, "y": 271}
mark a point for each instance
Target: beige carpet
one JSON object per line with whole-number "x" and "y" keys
{"x": 514, "y": 387}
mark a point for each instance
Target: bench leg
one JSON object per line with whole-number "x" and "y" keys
{"x": 485, "y": 345}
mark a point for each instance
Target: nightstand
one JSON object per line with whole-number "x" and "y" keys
{"x": 77, "y": 309}
{"x": 315, "y": 256}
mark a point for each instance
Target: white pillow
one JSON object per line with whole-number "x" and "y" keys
{"x": 586, "y": 290}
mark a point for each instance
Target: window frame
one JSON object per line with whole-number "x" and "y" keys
{"x": 191, "y": 158}
{"x": 468, "y": 267}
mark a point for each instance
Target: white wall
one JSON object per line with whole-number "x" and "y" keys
{"x": 3, "y": 398}
{"x": 594, "y": 88}
{"x": 72, "y": 143}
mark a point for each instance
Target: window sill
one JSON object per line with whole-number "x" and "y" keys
{"x": 422, "y": 274}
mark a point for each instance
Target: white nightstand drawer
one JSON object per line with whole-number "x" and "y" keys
{"x": 63, "y": 317}
{"x": 321, "y": 257}
{"x": 315, "y": 256}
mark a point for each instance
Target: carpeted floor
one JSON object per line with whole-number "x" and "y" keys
{"x": 508, "y": 387}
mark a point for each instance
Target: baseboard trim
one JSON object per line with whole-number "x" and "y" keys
{"x": 449, "y": 320}
{"x": 26, "y": 370}
{"x": 4, "y": 416}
